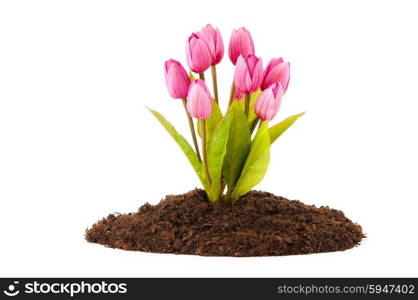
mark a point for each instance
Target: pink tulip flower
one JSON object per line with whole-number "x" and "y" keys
{"x": 248, "y": 74}
{"x": 241, "y": 43}
{"x": 238, "y": 94}
{"x": 198, "y": 54}
{"x": 213, "y": 39}
{"x": 199, "y": 100}
{"x": 176, "y": 79}
{"x": 268, "y": 104}
{"x": 276, "y": 71}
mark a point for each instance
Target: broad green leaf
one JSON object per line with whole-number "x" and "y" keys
{"x": 277, "y": 130}
{"x": 256, "y": 165}
{"x": 239, "y": 143}
{"x": 216, "y": 150}
{"x": 251, "y": 116}
{"x": 212, "y": 122}
{"x": 184, "y": 145}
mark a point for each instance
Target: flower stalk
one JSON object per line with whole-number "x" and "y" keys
{"x": 215, "y": 83}
{"x": 231, "y": 95}
{"x": 247, "y": 104}
{"x": 204, "y": 148}
{"x": 254, "y": 125}
{"x": 192, "y": 130}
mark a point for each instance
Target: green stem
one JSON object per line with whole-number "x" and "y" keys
{"x": 215, "y": 82}
{"x": 227, "y": 197}
{"x": 254, "y": 124}
{"x": 192, "y": 131}
{"x": 247, "y": 104}
{"x": 202, "y": 75}
{"x": 231, "y": 95}
{"x": 205, "y": 158}
{"x": 221, "y": 190}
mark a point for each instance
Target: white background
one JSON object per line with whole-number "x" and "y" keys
{"x": 77, "y": 143}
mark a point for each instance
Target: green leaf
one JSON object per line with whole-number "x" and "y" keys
{"x": 212, "y": 122}
{"x": 277, "y": 130}
{"x": 215, "y": 154}
{"x": 239, "y": 143}
{"x": 256, "y": 164}
{"x": 251, "y": 116}
{"x": 191, "y": 76}
{"x": 184, "y": 145}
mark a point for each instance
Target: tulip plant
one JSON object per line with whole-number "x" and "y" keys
{"x": 234, "y": 149}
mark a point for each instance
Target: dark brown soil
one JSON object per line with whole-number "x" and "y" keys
{"x": 260, "y": 224}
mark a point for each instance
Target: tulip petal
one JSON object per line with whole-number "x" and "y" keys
{"x": 199, "y": 100}
{"x": 248, "y": 73}
{"x": 198, "y": 54}
{"x": 241, "y": 43}
{"x": 176, "y": 79}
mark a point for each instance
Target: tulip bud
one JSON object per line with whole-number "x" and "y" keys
{"x": 241, "y": 43}
{"x": 213, "y": 40}
{"x": 238, "y": 94}
{"x": 248, "y": 74}
{"x": 268, "y": 104}
{"x": 199, "y": 100}
{"x": 198, "y": 54}
{"x": 176, "y": 79}
{"x": 276, "y": 71}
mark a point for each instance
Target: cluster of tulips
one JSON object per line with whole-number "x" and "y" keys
{"x": 234, "y": 155}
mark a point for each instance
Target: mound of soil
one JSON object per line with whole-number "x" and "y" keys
{"x": 260, "y": 224}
